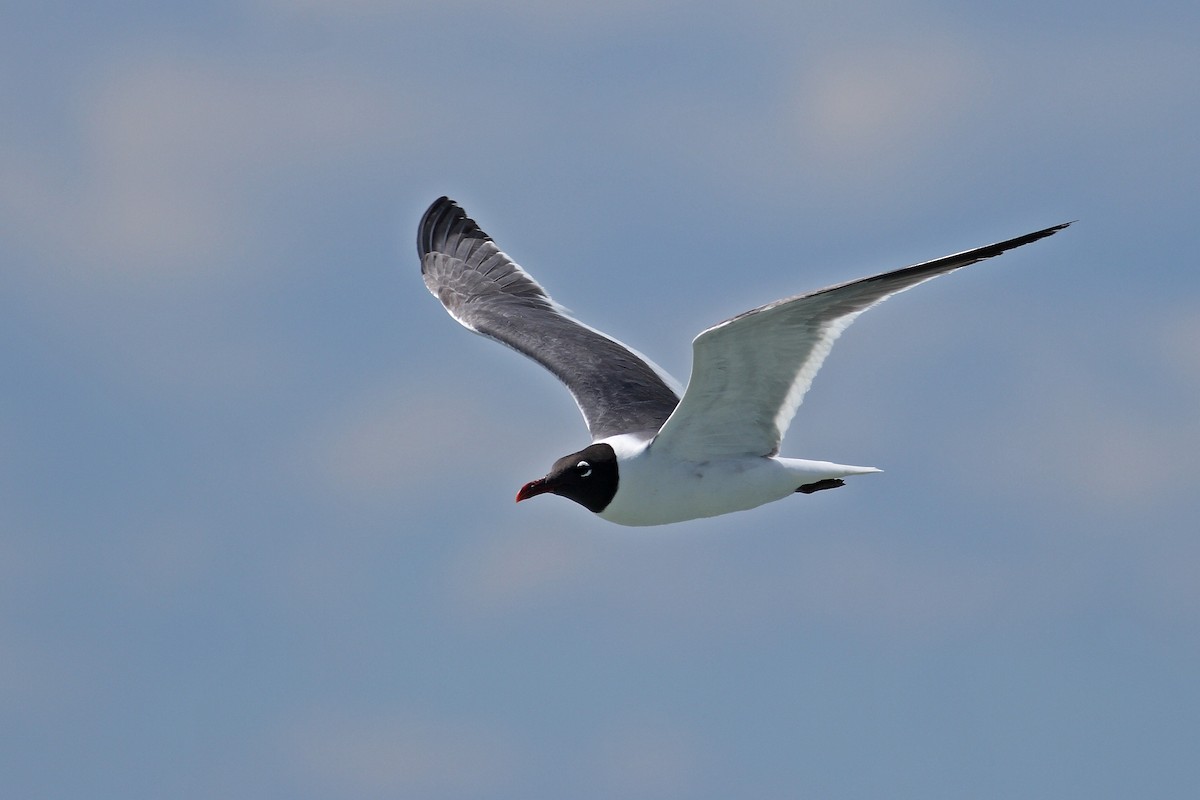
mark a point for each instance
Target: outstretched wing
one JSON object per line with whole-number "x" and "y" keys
{"x": 750, "y": 372}
{"x": 617, "y": 389}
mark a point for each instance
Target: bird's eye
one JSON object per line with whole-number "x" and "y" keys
{"x": 584, "y": 468}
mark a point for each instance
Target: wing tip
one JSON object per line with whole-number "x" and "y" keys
{"x": 1053, "y": 229}
{"x": 992, "y": 250}
{"x": 444, "y": 219}
{"x": 1032, "y": 237}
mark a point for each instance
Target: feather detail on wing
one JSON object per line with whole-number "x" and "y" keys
{"x": 616, "y": 388}
{"x": 750, "y": 373}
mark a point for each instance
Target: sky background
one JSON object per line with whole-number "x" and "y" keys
{"x": 257, "y": 531}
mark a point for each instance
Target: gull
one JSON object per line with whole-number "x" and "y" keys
{"x": 660, "y": 454}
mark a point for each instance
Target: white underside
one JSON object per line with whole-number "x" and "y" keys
{"x": 657, "y": 491}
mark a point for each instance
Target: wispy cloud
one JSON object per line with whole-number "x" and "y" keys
{"x": 1075, "y": 429}
{"x": 401, "y": 440}
{"x": 398, "y": 755}
{"x": 175, "y": 151}
{"x": 645, "y": 756}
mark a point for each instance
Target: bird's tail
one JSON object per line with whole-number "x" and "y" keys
{"x": 814, "y": 476}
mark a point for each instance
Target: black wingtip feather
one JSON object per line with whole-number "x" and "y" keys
{"x": 956, "y": 261}
{"x": 445, "y": 220}
{"x": 1000, "y": 247}
{"x": 992, "y": 250}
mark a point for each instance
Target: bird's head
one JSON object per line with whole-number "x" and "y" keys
{"x": 588, "y": 477}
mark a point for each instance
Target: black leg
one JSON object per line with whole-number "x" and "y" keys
{"x": 828, "y": 483}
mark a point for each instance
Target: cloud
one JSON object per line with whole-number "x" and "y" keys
{"x": 520, "y": 567}
{"x": 401, "y": 440}
{"x": 705, "y": 579}
{"x": 176, "y": 167}
{"x": 546, "y": 16}
{"x": 887, "y": 122}
{"x": 397, "y": 755}
{"x": 1075, "y": 430}
{"x": 864, "y": 113}
{"x": 178, "y": 150}
{"x": 381, "y": 754}
{"x": 643, "y": 756}
{"x": 146, "y": 228}
{"x": 391, "y": 441}
{"x": 835, "y": 121}
{"x": 1179, "y": 340}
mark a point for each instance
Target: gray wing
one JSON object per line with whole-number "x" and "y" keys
{"x": 617, "y": 389}
{"x": 750, "y": 373}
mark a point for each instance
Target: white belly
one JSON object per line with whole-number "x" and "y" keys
{"x": 648, "y": 495}
{"x": 657, "y": 491}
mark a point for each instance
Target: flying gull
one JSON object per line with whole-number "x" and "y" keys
{"x": 660, "y": 454}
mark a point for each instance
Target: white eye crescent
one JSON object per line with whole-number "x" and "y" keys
{"x": 584, "y": 468}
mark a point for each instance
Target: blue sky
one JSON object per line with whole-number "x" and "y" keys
{"x": 257, "y": 536}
